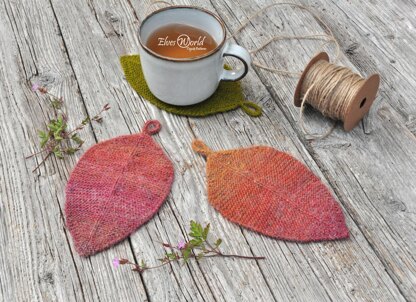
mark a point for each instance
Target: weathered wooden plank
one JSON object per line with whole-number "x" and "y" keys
{"x": 104, "y": 74}
{"x": 94, "y": 34}
{"x": 391, "y": 36}
{"x": 371, "y": 174}
{"x": 38, "y": 262}
{"x": 388, "y": 31}
{"x": 377, "y": 278}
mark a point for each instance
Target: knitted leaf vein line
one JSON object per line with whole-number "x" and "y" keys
{"x": 272, "y": 193}
{"x": 117, "y": 186}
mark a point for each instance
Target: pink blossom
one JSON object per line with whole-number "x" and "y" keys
{"x": 116, "y": 262}
{"x": 35, "y": 87}
{"x": 181, "y": 244}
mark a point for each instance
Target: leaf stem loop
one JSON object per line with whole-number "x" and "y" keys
{"x": 151, "y": 127}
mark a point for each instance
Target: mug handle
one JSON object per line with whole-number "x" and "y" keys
{"x": 240, "y": 53}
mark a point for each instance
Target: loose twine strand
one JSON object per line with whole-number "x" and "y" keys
{"x": 328, "y": 38}
{"x": 331, "y": 88}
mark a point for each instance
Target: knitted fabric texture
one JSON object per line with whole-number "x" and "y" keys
{"x": 271, "y": 192}
{"x": 229, "y": 95}
{"x": 116, "y": 187}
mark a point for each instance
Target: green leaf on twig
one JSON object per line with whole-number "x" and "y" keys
{"x": 57, "y": 139}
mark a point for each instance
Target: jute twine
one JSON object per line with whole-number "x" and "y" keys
{"x": 331, "y": 91}
{"x": 330, "y": 88}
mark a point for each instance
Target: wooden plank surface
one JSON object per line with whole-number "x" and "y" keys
{"x": 72, "y": 47}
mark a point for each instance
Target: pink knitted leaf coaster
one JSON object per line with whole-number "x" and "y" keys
{"x": 116, "y": 187}
{"x": 271, "y": 192}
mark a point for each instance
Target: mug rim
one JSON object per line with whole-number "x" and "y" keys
{"x": 196, "y": 58}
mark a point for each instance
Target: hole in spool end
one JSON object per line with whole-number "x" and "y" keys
{"x": 363, "y": 102}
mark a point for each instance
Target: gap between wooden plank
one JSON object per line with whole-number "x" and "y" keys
{"x": 325, "y": 173}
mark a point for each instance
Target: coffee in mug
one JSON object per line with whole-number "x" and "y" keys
{"x": 178, "y": 40}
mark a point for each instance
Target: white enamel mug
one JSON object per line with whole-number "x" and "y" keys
{"x": 192, "y": 80}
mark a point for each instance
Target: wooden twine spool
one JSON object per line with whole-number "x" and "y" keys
{"x": 357, "y": 103}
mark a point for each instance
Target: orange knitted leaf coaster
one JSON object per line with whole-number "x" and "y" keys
{"x": 116, "y": 187}
{"x": 271, "y": 192}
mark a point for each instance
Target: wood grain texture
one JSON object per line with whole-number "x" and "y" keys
{"x": 365, "y": 171}
{"x": 73, "y": 48}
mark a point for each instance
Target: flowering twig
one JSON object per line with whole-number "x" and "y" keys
{"x": 57, "y": 140}
{"x": 197, "y": 247}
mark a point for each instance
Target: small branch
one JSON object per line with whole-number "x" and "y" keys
{"x": 218, "y": 253}
{"x": 215, "y": 254}
{"x": 57, "y": 138}
{"x": 242, "y": 257}
{"x": 75, "y": 130}
{"x": 41, "y": 163}
{"x": 36, "y": 153}
{"x": 196, "y": 248}
{"x": 52, "y": 95}
{"x": 95, "y": 118}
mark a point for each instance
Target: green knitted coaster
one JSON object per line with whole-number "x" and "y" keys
{"x": 228, "y": 96}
